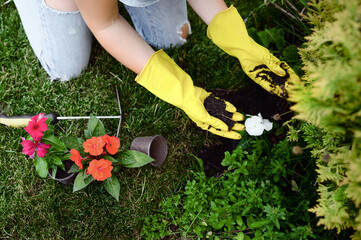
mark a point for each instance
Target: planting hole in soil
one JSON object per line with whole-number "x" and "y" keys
{"x": 251, "y": 99}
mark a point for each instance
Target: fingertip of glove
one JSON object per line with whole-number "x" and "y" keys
{"x": 238, "y": 127}
{"x": 230, "y": 107}
{"x": 226, "y": 134}
{"x": 277, "y": 69}
{"x": 219, "y": 124}
{"x": 237, "y": 117}
{"x": 234, "y": 135}
{"x": 280, "y": 72}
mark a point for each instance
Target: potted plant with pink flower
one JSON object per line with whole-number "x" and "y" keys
{"x": 97, "y": 157}
{"x": 47, "y": 150}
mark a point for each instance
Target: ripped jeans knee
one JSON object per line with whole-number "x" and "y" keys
{"x": 184, "y": 31}
{"x": 60, "y": 39}
{"x": 162, "y": 24}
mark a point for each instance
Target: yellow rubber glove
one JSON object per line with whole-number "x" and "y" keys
{"x": 165, "y": 79}
{"x": 228, "y": 31}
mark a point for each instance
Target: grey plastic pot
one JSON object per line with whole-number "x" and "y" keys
{"x": 63, "y": 176}
{"x": 154, "y": 146}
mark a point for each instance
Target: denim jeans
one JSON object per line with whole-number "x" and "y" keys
{"x": 62, "y": 41}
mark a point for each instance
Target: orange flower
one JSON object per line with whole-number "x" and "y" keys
{"x": 100, "y": 169}
{"x": 112, "y": 144}
{"x": 75, "y": 156}
{"x": 94, "y": 146}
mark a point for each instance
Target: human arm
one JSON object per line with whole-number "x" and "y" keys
{"x": 207, "y": 9}
{"x": 115, "y": 34}
{"x": 228, "y": 31}
{"x": 156, "y": 71}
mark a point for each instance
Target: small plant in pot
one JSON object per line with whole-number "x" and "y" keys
{"x": 97, "y": 157}
{"x": 48, "y": 151}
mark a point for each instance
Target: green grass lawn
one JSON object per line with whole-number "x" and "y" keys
{"x": 35, "y": 208}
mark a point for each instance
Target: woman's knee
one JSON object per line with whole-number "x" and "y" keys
{"x": 66, "y": 40}
{"x": 63, "y": 69}
{"x": 162, "y": 24}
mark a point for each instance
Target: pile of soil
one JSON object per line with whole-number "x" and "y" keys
{"x": 216, "y": 107}
{"x": 251, "y": 100}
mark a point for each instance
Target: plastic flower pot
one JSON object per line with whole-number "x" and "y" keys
{"x": 154, "y": 146}
{"x": 63, "y": 176}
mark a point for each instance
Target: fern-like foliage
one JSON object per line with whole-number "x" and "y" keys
{"x": 329, "y": 100}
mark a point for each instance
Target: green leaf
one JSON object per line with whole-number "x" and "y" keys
{"x": 96, "y": 127}
{"x": 278, "y": 38}
{"x": 80, "y": 143}
{"x": 240, "y": 236}
{"x": 139, "y": 159}
{"x": 110, "y": 158}
{"x": 53, "y": 159}
{"x": 66, "y": 156}
{"x": 125, "y": 159}
{"x": 112, "y": 185}
{"x": 246, "y": 237}
{"x": 239, "y": 220}
{"x": 70, "y": 142}
{"x": 81, "y": 181}
{"x": 41, "y": 166}
{"x": 73, "y": 143}
{"x": 55, "y": 142}
{"x": 87, "y": 134}
{"x": 54, "y": 169}
{"x": 218, "y": 224}
{"x": 291, "y": 53}
{"x": 50, "y": 126}
{"x": 277, "y": 223}
{"x": 74, "y": 169}
{"x": 264, "y": 38}
{"x": 258, "y": 224}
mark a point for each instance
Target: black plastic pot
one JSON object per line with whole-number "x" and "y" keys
{"x": 63, "y": 176}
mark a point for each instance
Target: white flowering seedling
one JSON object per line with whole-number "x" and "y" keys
{"x": 255, "y": 125}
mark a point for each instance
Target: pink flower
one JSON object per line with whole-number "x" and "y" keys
{"x": 37, "y": 127}
{"x": 29, "y": 148}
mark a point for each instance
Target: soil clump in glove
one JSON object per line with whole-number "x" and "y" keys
{"x": 217, "y": 108}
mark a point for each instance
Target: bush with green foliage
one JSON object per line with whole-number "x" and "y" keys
{"x": 262, "y": 195}
{"x": 329, "y": 99}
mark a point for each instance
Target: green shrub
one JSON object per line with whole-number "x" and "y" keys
{"x": 260, "y": 196}
{"x": 329, "y": 99}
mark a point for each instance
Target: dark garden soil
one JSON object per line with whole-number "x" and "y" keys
{"x": 216, "y": 107}
{"x": 60, "y": 173}
{"x": 251, "y": 100}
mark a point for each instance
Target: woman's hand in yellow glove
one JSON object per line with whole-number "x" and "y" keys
{"x": 165, "y": 79}
{"x": 215, "y": 115}
{"x": 228, "y": 31}
{"x": 265, "y": 69}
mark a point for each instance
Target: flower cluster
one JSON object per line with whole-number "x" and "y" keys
{"x": 36, "y": 129}
{"x": 41, "y": 145}
{"x": 97, "y": 157}
{"x": 98, "y": 148}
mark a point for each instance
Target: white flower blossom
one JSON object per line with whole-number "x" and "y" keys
{"x": 255, "y": 125}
